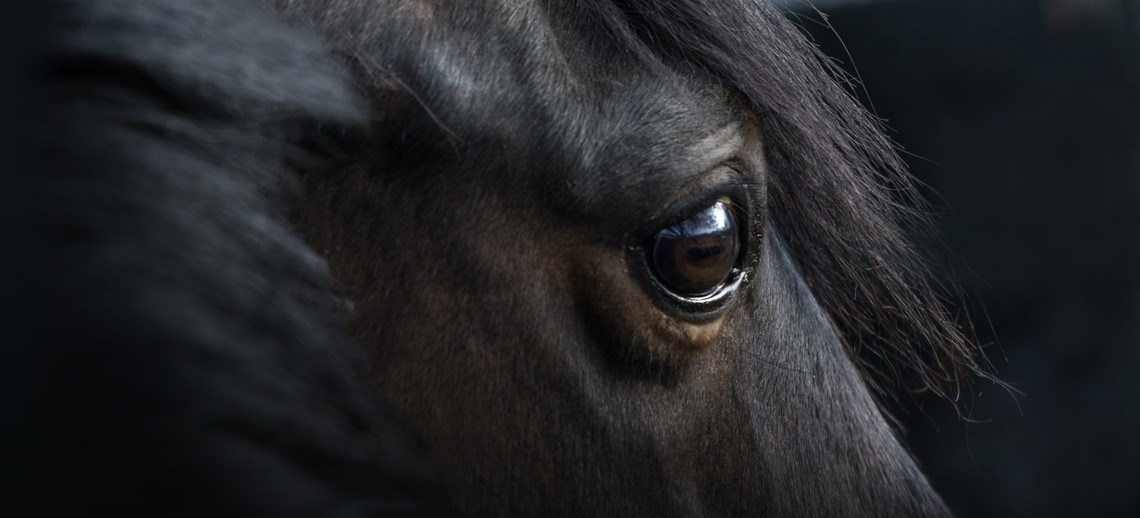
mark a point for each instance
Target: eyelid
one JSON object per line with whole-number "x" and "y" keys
{"x": 723, "y": 181}
{"x": 717, "y": 147}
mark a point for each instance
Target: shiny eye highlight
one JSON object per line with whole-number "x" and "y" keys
{"x": 693, "y": 258}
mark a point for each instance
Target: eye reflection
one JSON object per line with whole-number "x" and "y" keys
{"x": 694, "y": 257}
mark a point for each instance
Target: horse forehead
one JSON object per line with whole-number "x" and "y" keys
{"x": 511, "y": 59}
{"x": 511, "y": 75}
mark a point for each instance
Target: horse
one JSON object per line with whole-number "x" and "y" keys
{"x": 592, "y": 257}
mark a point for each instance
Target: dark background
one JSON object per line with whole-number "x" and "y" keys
{"x": 1023, "y": 118}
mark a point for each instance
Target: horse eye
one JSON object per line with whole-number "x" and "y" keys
{"x": 694, "y": 257}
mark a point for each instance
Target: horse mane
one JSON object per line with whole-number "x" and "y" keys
{"x": 184, "y": 346}
{"x": 842, "y": 198}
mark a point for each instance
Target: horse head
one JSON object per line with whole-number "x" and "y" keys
{"x": 593, "y": 258}
{"x": 615, "y": 256}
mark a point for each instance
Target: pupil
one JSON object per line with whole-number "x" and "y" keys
{"x": 695, "y": 256}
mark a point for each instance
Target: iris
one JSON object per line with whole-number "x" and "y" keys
{"x": 695, "y": 256}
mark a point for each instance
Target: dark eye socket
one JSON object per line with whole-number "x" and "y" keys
{"x": 694, "y": 257}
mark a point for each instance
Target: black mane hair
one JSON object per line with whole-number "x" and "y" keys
{"x": 185, "y": 353}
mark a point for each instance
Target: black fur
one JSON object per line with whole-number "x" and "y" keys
{"x": 187, "y": 341}
{"x": 473, "y": 174}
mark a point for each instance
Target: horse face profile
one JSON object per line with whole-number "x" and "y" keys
{"x": 593, "y": 257}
